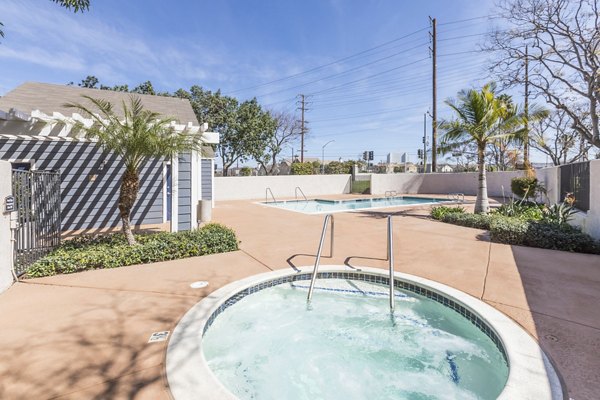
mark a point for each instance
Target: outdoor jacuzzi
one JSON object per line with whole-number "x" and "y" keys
{"x": 258, "y": 339}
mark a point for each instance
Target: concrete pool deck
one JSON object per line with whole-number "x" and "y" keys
{"x": 84, "y": 336}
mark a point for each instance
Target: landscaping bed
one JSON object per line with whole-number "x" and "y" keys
{"x": 524, "y": 224}
{"x": 111, "y": 251}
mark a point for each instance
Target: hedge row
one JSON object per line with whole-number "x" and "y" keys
{"x": 515, "y": 231}
{"x": 111, "y": 251}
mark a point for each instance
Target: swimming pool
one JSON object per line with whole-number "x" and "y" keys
{"x": 256, "y": 338}
{"x": 318, "y": 206}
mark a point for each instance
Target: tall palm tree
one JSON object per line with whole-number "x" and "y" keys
{"x": 136, "y": 136}
{"x": 481, "y": 118}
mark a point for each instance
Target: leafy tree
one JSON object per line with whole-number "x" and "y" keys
{"x": 144, "y": 88}
{"x": 302, "y": 168}
{"x": 245, "y": 171}
{"x": 136, "y": 135}
{"x": 75, "y": 5}
{"x": 480, "y": 119}
{"x": 89, "y": 82}
{"x": 560, "y": 40}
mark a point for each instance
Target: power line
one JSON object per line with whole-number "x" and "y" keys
{"x": 329, "y": 64}
{"x": 339, "y": 73}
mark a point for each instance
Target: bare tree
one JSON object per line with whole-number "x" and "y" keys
{"x": 287, "y": 131}
{"x": 563, "y": 53}
{"x": 555, "y": 137}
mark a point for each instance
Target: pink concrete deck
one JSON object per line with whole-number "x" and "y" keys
{"x": 85, "y": 335}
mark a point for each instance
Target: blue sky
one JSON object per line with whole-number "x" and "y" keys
{"x": 372, "y": 101}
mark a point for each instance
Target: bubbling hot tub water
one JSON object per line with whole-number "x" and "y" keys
{"x": 347, "y": 345}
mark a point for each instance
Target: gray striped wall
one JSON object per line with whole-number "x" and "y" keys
{"x": 184, "y": 198}
{"x": 207, "y": 177}
{"x": 88, "y": 204}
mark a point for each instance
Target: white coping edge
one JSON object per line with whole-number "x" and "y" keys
{"x": 531, "y": 374}
{"x": 262, "y": 203}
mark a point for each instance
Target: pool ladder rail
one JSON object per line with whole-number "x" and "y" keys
{"x": 329, "y": 220}
{"x": 298, "y": 190}
{"x": 267, "y": 192}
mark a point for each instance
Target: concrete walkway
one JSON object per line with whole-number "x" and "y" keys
{"x": 84, "y": 336}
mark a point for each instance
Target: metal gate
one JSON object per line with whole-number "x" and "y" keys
{"x": 37, "y": 198}
{"x": 575, "y": 178}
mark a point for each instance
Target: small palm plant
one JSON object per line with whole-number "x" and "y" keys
{"x": 482, "y": 118}
{"x": 136, "y": 136}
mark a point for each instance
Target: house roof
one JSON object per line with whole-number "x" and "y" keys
{"x": 49, "y": 98}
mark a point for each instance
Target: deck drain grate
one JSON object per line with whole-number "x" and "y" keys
{"x": 159, "y": 336}
{"x": 551, "y": 338}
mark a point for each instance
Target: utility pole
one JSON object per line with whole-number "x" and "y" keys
{"x": 433, "y": 34}
{"x": 302, "y": 125}
{"x": 425, "y": 143}
{"x": 526, "y": 136}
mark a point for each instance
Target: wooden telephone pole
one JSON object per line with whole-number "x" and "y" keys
{"x": 302, "y": 125}
{"x": 433, "y": 34}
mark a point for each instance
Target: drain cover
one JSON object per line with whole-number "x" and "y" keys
{"x": 158, "y": 336}
{"x": 551, "y": 338}
{"x": 199, "y": 285}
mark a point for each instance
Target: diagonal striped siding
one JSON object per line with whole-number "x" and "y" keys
{"x": 87, "y": 203}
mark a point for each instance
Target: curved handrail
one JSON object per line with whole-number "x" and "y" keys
{"x": 296, "y": 190}
{"x": 267, "y": 191}
{"x": 328, "y": 218}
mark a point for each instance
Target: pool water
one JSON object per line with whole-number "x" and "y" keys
{"x": 347, "y": 345}
{"x": 327, "y": 206}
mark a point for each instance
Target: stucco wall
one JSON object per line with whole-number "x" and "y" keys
{"x": 253, "y": 187}
{"x": 6, "y": 278}
{"x": 443, "y": 183}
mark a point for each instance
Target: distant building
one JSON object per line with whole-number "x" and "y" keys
{"x": 397, "y": 158}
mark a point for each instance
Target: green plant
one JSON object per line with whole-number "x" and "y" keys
{"x": 524, "y": 187}
{"x": 482, "y": 117}
{"x": 111, "y": 251}
{"x": 542, "y": 235}
{"x": 438, "y": 212}
{"x": 299, "y": 168}
{"x": 479, "y": 221}
{"x": 520, "y": 209}
{"x": 135, "y": 135}
{"x": 558, "y": 213}
{"x": 245, "y": 171}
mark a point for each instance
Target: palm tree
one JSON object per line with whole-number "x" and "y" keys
{"x": 482, "y": 118}
{"x": 136, "y": 136}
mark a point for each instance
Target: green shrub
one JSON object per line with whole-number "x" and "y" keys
{"x": 522, "y": 210}
{"x": 111, "y": 251}
{"x": 479, "y": 221}
{"x": 558, "y": 214}
{"x": 245, "y": 171}
{"x": 299, "y": 168}
{"x": 524, "y": 187}
{"x": 438, "y": 212}
{"x": 543, "y": 235}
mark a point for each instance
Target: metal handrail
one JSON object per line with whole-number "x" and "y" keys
{"x": 328, "y": 218}
{"x": 457, "y": 197}
{"x": 391, "y": 193}
{"x": 301, "y": 192}
{"x": 390, "y": 256}
{"x": 267, "y": 191}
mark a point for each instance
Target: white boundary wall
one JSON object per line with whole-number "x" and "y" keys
{"x": 6, "y": 255}
{"x": 590, "y": 221}
{"x": 282, "y": 186}
{"x": 463, "y": 182}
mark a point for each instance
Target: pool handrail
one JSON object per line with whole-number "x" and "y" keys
{"x": 390, "y": 257}
{"x": 328, "y": 219}
{"x": 267, "y": 191}
{"x": 296, "y": 190}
